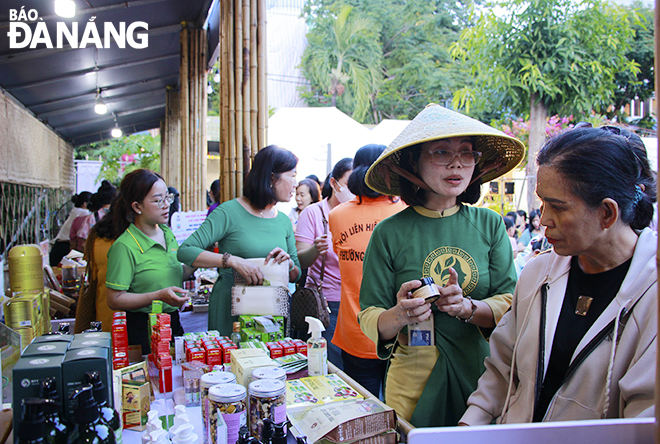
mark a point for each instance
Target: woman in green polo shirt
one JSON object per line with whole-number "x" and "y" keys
{"x": 142, "y": 263}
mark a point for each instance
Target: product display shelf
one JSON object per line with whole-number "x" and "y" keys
{"x": 195, "y": 413}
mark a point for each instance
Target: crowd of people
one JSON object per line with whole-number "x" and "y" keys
{"x": 551, "y": 317}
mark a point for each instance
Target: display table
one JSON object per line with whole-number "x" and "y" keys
{"x": 195, "y": 413}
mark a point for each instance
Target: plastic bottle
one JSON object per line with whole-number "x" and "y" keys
{"x": 31, "y": 427}
{"x": 185, "y": 435}
{"x": 108, "y": 414}
{"x": 317, "y": 348}
{"x": 91, "y": 429}
{"x": 57, "y": 431}
{"x": 153, "y": 424}
{"x": 236, "y": 334}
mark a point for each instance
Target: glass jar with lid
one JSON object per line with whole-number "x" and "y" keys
{"x": 230, "y": 402}
{"x": 269, "y": 372}
{"x": 267, "y": 400}
{"x": 207, "y": 381}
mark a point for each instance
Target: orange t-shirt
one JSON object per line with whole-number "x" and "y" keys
{"x": 351, "y": 225}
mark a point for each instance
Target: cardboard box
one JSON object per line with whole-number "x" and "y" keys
{"x": 53, "y": 338}
{"x": 23, "y": 311}
{"x": 331, "y": 388}
{"x": 345, "y": 422}
{"x": 243, "y": 362}
{"x": 389, "y": 437}
{"x": 93, "y": 335}
{"x": 300, "y": 397}
{"x": 135, "y": 404}
{"x": 28, "y": 374}
{"x": 46, "y": 348}
{"x": 76, "y": 364}
{"x": 85, "y": 342}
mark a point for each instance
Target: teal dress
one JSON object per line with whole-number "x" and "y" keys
{"x": 239, "y": 233}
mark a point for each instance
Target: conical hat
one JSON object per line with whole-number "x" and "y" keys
{"x": 501, "y": 153}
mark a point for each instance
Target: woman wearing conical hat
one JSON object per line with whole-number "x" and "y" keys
{"x": 437, "y": 165}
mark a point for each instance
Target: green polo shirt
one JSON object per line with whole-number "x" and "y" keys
{"x": 138, "y": 264}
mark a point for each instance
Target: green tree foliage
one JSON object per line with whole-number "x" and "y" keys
{"x": 544, "y": 57}
{"x": 343, "y": 60}
{"x": 123, "y": 155}
{"x": 413, "y": 37}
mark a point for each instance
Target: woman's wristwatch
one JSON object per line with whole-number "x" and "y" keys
{"x": 474, "y": 310}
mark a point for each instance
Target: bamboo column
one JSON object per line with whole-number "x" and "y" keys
{"x": 243, "y": 101}
{"x": 192, "y": 114}
{"x": 657, "y": 113}
{"x": 170, "y": 139}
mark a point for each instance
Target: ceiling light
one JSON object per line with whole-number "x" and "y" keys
{"x": 116, "y": 131}
{"x": 216, "y": 77}
{"x": 65, "y": 8}
{"x": 209, "y": 89}
{"x": 100, "y": 107}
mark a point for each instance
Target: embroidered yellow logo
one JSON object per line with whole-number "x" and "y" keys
{"x": 437, "y": 265}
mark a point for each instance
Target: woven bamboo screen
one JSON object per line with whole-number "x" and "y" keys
{"x": 243, "y": 99}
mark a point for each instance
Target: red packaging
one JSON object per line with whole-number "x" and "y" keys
{"x": 119, "y": 333}
{"x": 214, "y": 355}
{"x": 301, "y": 346}
{"x": 289, "y": 348}
{"x": 163, "y": 320}
{"x": 164, "y": 334}
{"x": 118, "y": 363}
{"x": 276, "y": 350}
{"x": 227, "y": 347}
{"x": 119, "y": 315}
{"x": 164, "y": 360}
{"x": 165, "y": 380}
{"x": 197, "y": 354}
{"x": 158, "y": 347}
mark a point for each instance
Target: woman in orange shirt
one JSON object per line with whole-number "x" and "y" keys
{"x": 352, "y": 224}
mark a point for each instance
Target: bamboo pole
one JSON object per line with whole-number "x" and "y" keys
{"x": 185, "y": 191}
{"x": 194, "y": 124}
{"x": 174, "y": 137}
{"x": 238, "y": 45}
{"x": 204, "y": 112}
{"x": 254, "y": 101}
{"x": 224, "y": 102}
{"x": 232, "y": 101}
{"x": 261, "y": 51}
{"x": 247, "y": 143}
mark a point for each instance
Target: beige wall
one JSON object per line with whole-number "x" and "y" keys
{"x": 30, "y": 152}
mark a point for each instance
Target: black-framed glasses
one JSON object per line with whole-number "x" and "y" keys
{"x": 467, "y": 158}
{"x": 166, "y": 200}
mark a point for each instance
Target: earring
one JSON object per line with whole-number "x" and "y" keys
{"x": 139, "y": 212}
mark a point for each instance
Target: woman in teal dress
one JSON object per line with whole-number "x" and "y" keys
{"x": 247, "y": 227}
{"x": 436, "y": 165}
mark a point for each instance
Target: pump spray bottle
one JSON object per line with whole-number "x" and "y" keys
{"x": 32, "y": 427}
{"x": 317, "y": 348}
{"x": 57, "y": 431}
{"x": 108, "y": 414}
{"x": 91, "y": 429}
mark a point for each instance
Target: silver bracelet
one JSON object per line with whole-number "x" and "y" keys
{"x": 474, "y": 310}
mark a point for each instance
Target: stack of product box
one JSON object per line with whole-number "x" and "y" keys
{"x": 67, "y": 359}
{"x": 161, "y": 335}
{"x": 208, "y": 348}
{"x": 261, "y": 328}
{"x": 119, "y": 341}
{"x": 28, "y": 314}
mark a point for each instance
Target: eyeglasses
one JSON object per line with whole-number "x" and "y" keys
{"x": 467, "y": 158}
{"x": 166, "y": 200}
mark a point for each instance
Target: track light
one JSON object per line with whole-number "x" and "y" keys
{"x": 116, "y": 131}
{"x": 65, "y": 8}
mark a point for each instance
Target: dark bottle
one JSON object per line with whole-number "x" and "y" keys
{"x": 267, "y": 431}
{"x": 108, "y": 414}
{"x": 63, "y": 328}
{"x": 32, "y": 427}
{"x": 91, "y": 429}
{"x": 94, "y": 326}
{"x": 57, "y": 431}
{"x": 279, "y": 435}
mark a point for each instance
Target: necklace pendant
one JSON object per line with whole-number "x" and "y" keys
{"x": 583, "y": 304}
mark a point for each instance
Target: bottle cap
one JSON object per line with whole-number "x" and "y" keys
{"x": 427, "y": 281}
{"x": 237, "y": 326}
{"x": 87, "y": 410}
{"x": 227, "y": 393}
{"x": 214, "y": 378}
{"x": 185, "y": 435}
{"x": 32, "y": 426}
{"x": 98, "y": 389}
{"x": 315, "y": 326}
{"x": 179, "y": 410}
{"x": 266, "y": 388}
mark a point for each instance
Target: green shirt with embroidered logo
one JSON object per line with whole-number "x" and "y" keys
{"x": 138, "y": 264}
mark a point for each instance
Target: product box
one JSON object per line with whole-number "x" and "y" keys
{"x": 46, "y": 348}
{"x": 345, "y": 422}
{"x": 23, "y": 311}
{"x": 53, "y": 338}
{"x": 389, "y": 437}
{"x": 330, "y": 388}
{"x": 227, "y": 347}
{"x": 243, "y": 361}
{"x": 300, "y": 397}
{"x": 27, "y": 334}
{"x": 246, "y": 322}
{"x": 85, "y": 342}
{"x": 135, "y": 402}
{"x": 76, "y": 364}
{"x": 28, "y": 374}
{"x": 93, "y": 335}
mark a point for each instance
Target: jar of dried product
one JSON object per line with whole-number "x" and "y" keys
{"x": 230, "y": 401}
{"x": 267, "y": 400}
{"x": 269, "y": 372}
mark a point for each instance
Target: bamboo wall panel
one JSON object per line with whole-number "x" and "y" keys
{"x": 243, "y": 102}
{"x": 170, "y": 160}
{"x": 192, "y": 116}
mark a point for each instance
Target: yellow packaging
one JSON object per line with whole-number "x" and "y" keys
{"x": 26, "y": 270}
{"x": 331, "y": 388}
{"x": 27, "y": 335}
{"x": 135, "y": 401}
{"x": 23, "y": 311}
{"x": 242, "y": 364}
{"x": 299, "y": 396}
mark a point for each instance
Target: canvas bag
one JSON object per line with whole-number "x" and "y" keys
{"x": 310, "y": 301}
